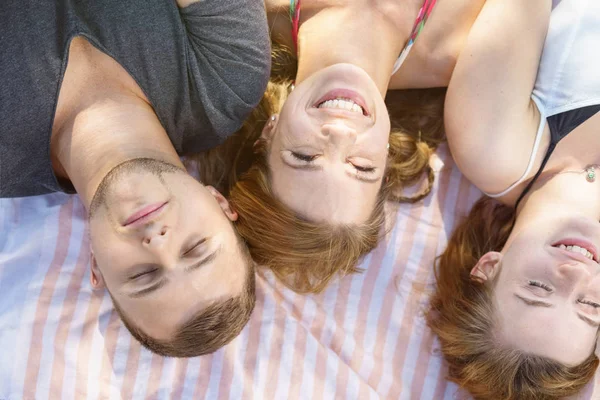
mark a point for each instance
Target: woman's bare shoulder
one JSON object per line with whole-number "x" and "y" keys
{"x": 434, "y": 54}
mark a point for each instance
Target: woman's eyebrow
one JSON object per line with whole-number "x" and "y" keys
{"x": 589, "y": 321}
{"x": 373, "y": 179}
{"x": 534, "y": 303}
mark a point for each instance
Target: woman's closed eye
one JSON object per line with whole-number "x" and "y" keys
{"x": 541, "y": 285}
{"x": 362, "y": 165}
{"x": 364, "y": 168}
{"x": 589, "y": 303}
{"x": 304, "y": 157}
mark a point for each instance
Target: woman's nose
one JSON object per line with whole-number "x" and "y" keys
{"x": 339, "y": 133}
{"x": 574, "y": 274}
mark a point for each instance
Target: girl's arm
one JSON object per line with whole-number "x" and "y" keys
{"x": 490, "y": 118}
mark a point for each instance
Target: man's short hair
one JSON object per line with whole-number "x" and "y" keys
{"x": 211, "y": 328}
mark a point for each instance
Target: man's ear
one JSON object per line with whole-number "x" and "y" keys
{"x": 96, "y": 278}
{"x": 223, "y": 203}
{"x": 487, "y": 267}
{"x": 269, "y": 128}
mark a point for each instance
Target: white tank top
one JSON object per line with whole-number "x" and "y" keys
{"x": 569, "y": 72}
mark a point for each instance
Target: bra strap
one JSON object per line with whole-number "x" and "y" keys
{"x": 295, "y": 20}
{"x": 537, "y": 175}
{"x": 420, "y": 22}
{"x": 534, "y": 151}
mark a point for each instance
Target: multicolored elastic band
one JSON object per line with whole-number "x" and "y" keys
{"x": 420, "y": 22}
{"x": 295, "y": 19}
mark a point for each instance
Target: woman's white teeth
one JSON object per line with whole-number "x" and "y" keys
{"x": 343, "y": 104}
{"x": 577, "y": 249}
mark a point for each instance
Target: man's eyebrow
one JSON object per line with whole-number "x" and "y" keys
{"x": 146, "y": 291}
{"x": 204, "y": 261}
{"x": 534, "y": 303}
{"x": 589, "y": 320}
{"x": 363, "y": 178}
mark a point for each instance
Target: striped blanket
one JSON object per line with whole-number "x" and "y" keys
{"x": 363, "y": 338}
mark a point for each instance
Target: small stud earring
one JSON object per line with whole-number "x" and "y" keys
{"x": 273, "y": 118}
{"x": 388, "y": 146}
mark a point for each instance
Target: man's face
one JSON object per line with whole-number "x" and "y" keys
{"x": 163, "y": 245}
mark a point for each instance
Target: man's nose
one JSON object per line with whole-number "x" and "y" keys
{"x": 155, "y": 235}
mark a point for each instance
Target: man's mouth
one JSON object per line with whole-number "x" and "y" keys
{"x": 144, "y": 214}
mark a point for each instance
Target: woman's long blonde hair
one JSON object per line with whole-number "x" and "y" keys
{"x": 462, "y": 316}
{"x": 306, "y": 255}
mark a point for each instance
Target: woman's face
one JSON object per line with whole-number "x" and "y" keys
{"x": 547, "y": 291}
{"x": 328, "y": 146}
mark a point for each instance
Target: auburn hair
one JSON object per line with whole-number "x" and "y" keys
{"x": 461, "y": 314}
{"x": 305, "y": 255}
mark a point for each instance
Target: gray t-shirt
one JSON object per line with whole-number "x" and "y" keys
{"x": 203, "y": 68}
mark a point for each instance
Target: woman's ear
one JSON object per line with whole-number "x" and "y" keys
{"x": 269, "y": 128}
{"x": 223, "y": 203}
{"x": 487, "y": 267}
{"x": 96, "y": 279}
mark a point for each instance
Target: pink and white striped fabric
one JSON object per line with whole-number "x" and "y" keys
{"x": 363, "y": 338}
